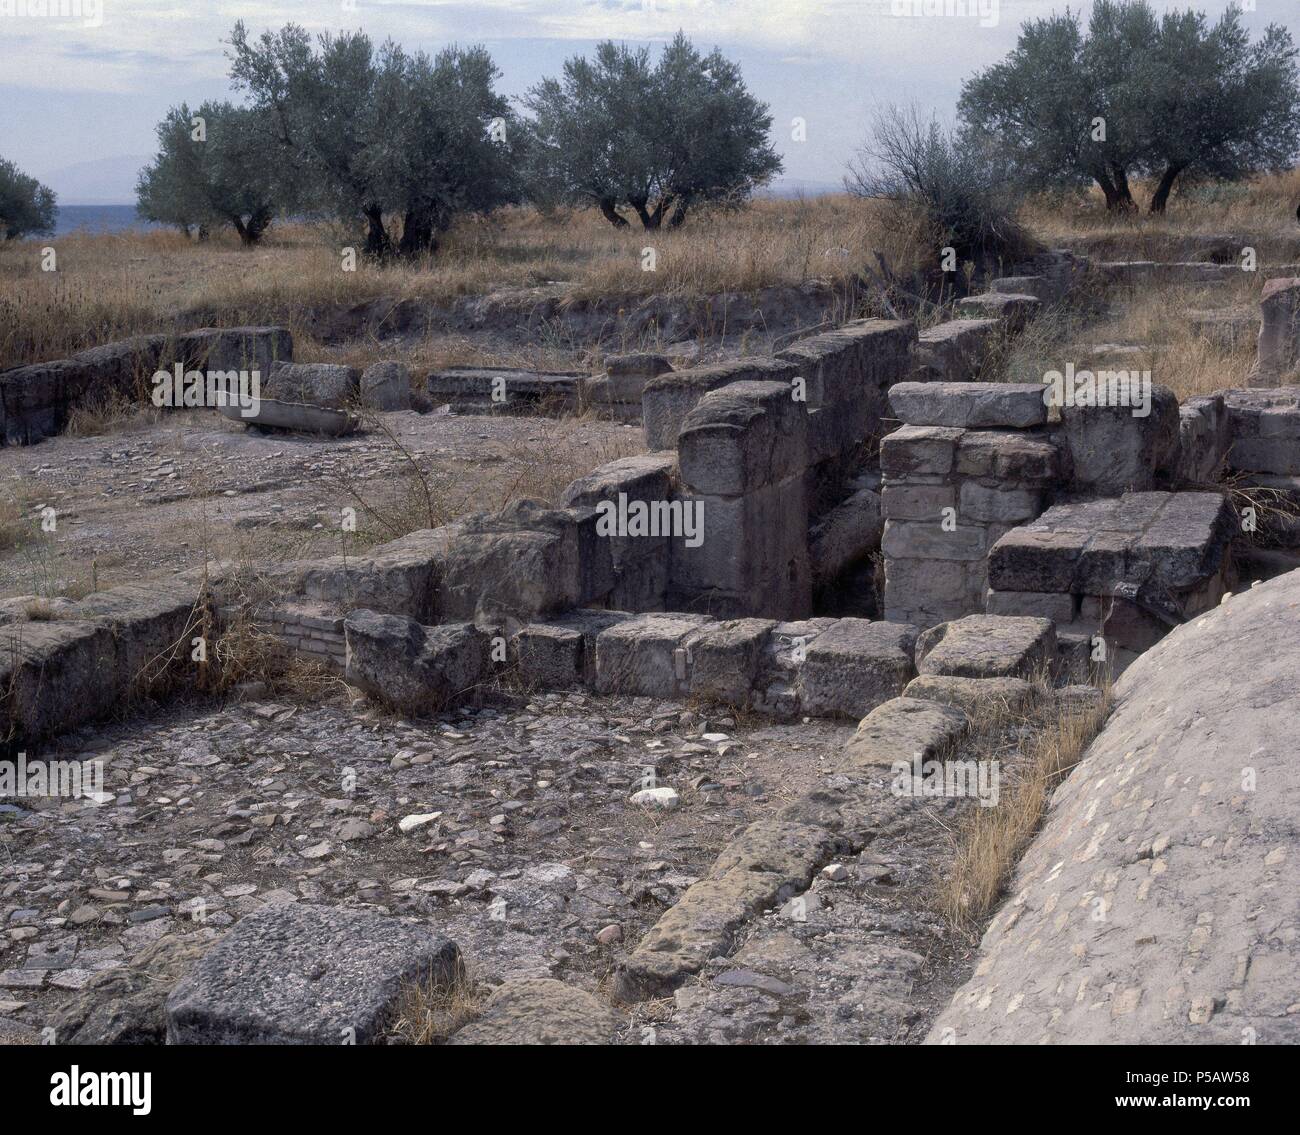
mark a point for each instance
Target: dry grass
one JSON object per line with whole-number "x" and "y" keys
{"x": 429, "y": 1012}
{"x": 989, "y": 844}
{"x": 109, "y": 286}
{"x": 1263, "y": 210}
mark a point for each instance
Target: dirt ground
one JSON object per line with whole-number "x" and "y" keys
{"x": 155, "y": 497}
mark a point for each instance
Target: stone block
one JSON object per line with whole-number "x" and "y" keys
{"x": 1112, "y": 451}
{"x": 954, "y": 351}
{"x": 854, "y": 665}
{"x": 628, "y": 374}
{"x": 987, "y": 646}
{"x": 1204, "y": 438}
{"x": 853, "y": 364}
{"x": 742, "y": 437}
{"x": 913, "y": 539}
{"x": 724, "y": 659}
{"x": 970, "y": 405}
{"x": 974, "y": 696}
{"x": 291, "y": 973}
{"x": 908, "y": 500}
{"x": 984, "y": 504}
{"x": 645, "y": 655}
{"x": 667, "y": 399}
{"x": 548, "y": 657}
{"x": 1279, "y": 332}
{"x": 318, "y": 384}
{"x": 415, "y": 669}
{"x": 903, "y": 729}
{"x": 386, "y": 386}
{"x": 844, "y": 536}
{"x": 1006, "y": 455}
{"x": 541, "y": 1010}
{"x": 1032, "y": 604}
{"x": 927, "y": 451}
{"x": 1014, "y": 310}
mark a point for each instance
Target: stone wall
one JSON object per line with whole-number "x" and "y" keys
{"x": 971, "y": 461}
{"x": 35, "y": 400}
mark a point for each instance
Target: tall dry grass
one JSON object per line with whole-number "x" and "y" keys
{"x": 1262, "y": 210}
{"x": 109, "y": 286}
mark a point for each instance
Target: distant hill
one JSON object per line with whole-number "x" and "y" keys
{"x": 105, "y": 181}
{"x": 800, "y": 187}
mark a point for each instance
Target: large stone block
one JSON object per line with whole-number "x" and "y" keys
{"x": 904, "y": 729}
{"x": 844, "y": 536}
{"x": 1204, "y": 438}
{"x": 386, "y": 386}
{"x": 919, "y": 450}
{"x": 1007, "y": 455}
{"x": 913, "y": 539}
{"x": 415, "y": 669}
{"x": 752, "y": 560}
{"x": 908, "y": 500}
{"x": 318, "y": 384}
{"x": 1113, "y": 451}
{"x": 724, "y": 658}
{"x": 541, "y": 1010}
{"x": 233, "y": 348}
{"x": 290, "y": 973}
{"x": 854, "y": 665}
{"x": 853, "y": 364}
{"x": 1279, "y": 332}
{"x": 972, "y": 405}
{"x": 987, "y": 646}
{"x": 669, "y": 398}
{"x": 628, "y": 375}
{"x": 645, "y": 655}
{"x": 985, "y": 504}
{"x": 954, "y": 351}
{"x": 55, "y": 676}
{"x": 742, "y": 437}
{"x": 1163, "y": 543}
{"x": 1014, "y": 310}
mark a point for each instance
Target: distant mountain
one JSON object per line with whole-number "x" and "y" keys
{"x": 105, "y": 181}
{"x": 800, "y": 187}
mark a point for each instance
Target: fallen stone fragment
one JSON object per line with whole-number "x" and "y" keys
{"x": 299, "y": 974}
{"x": 987, "y": 646}
{"x": 902, "y": 730}
{"x": 656, "y": 798}
{"x": 416, "y": 820}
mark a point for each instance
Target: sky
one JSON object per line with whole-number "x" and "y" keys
{"x": 84, "y": 82}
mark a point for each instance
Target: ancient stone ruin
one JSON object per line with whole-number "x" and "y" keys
{"x": 861, "y": 543}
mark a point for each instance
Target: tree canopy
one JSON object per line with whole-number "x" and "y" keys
{"x": 620, "y": 132}
{"x": 1136, "y": 94}
{"x": 26, "y": 206}
{"x": 377, "y": 131}
{"x": 216, "y": 165}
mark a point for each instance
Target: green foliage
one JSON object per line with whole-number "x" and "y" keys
{"x": 218, "y": 165}
{"x": 618, "y": 132}
{"x": 375, "y": 132}
{"x": 26, "y": 206}
{"x": 1174, "y": 94}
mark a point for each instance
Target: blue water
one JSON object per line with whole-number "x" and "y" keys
{"x": 98, "y": 219}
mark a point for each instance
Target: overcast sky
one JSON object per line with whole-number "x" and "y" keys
{"x": 90, "y": 87}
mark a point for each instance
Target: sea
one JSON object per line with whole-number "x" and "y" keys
{"x": 98, "y": 219}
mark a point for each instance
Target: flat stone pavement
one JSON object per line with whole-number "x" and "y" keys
{"x": 520, "y": 845}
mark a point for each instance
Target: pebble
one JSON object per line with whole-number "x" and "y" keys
{"x": 656, "y": 798}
